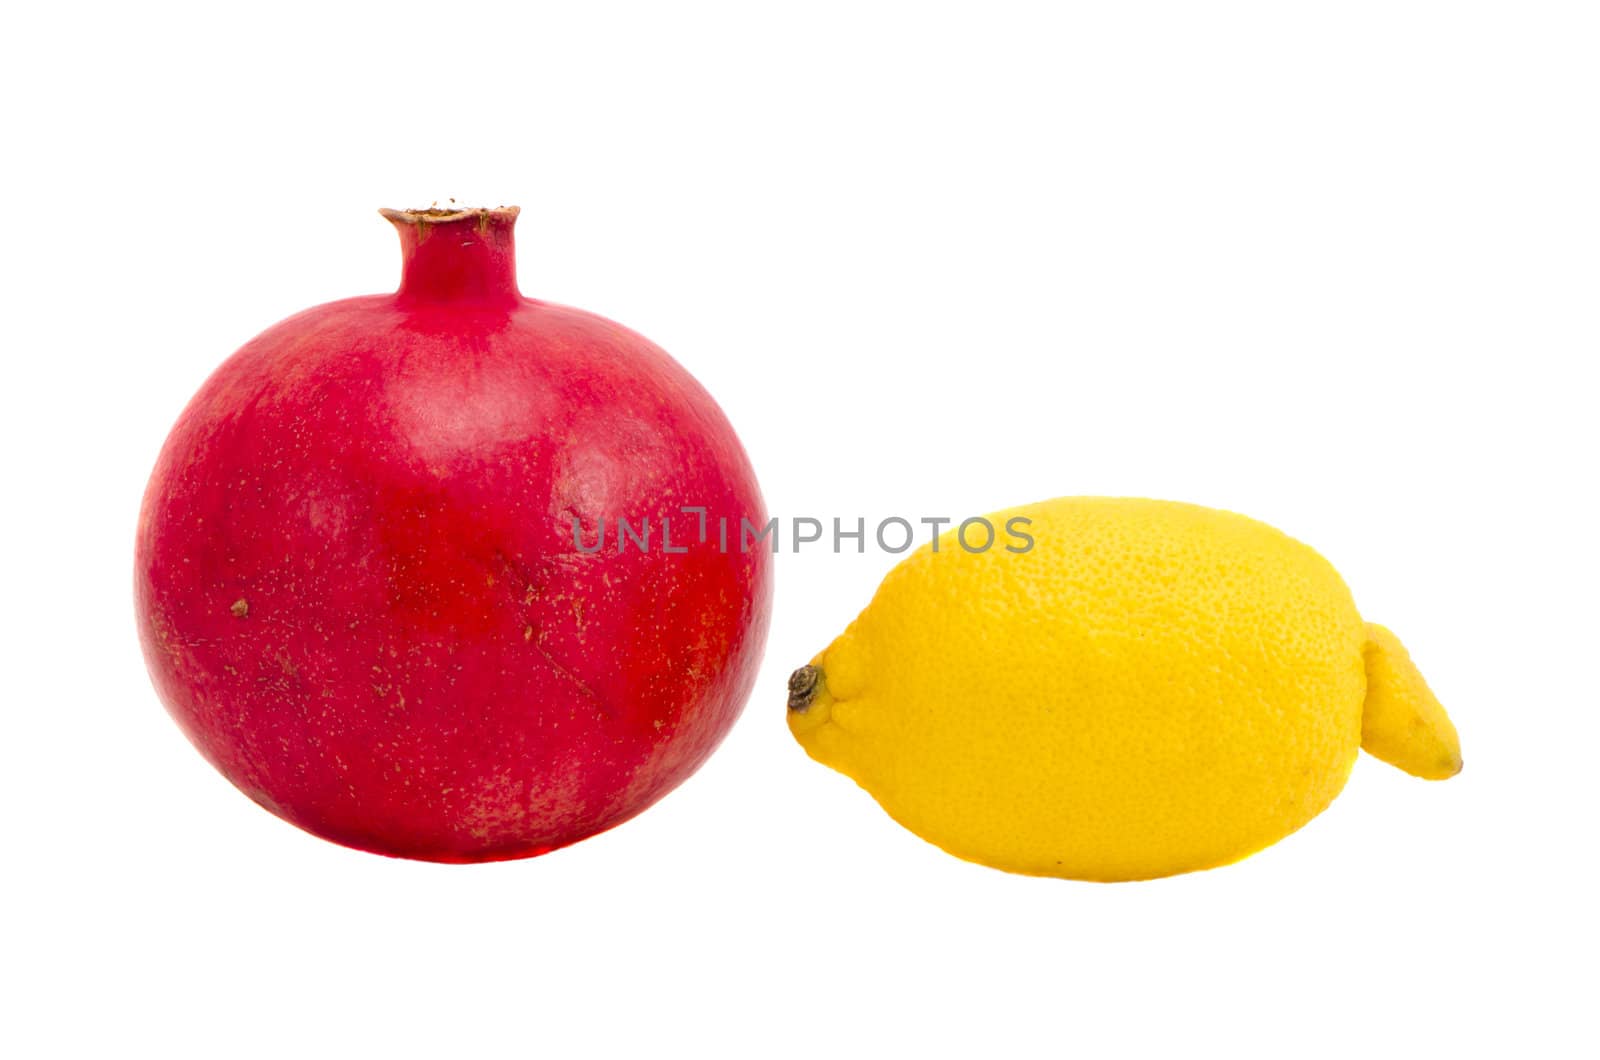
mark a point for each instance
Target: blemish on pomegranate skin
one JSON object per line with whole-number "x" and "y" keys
{"x": 240, "y": 608}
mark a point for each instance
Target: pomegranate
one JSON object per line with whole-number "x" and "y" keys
{"x": 446, "y": 573}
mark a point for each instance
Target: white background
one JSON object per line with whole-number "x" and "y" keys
{"x": 1331, "y": 265}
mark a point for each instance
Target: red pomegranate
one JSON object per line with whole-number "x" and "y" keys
{"x": 441, "y": 574}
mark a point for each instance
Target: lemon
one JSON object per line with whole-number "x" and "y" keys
{"x": 1151, "y": 688}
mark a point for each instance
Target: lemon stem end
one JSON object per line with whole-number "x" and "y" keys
{"x": 804, "y": 684}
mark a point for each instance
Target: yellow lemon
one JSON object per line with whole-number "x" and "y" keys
{"x": 1150, "y": 688}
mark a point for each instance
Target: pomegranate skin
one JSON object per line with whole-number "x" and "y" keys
{"x": 360, "y": 592}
